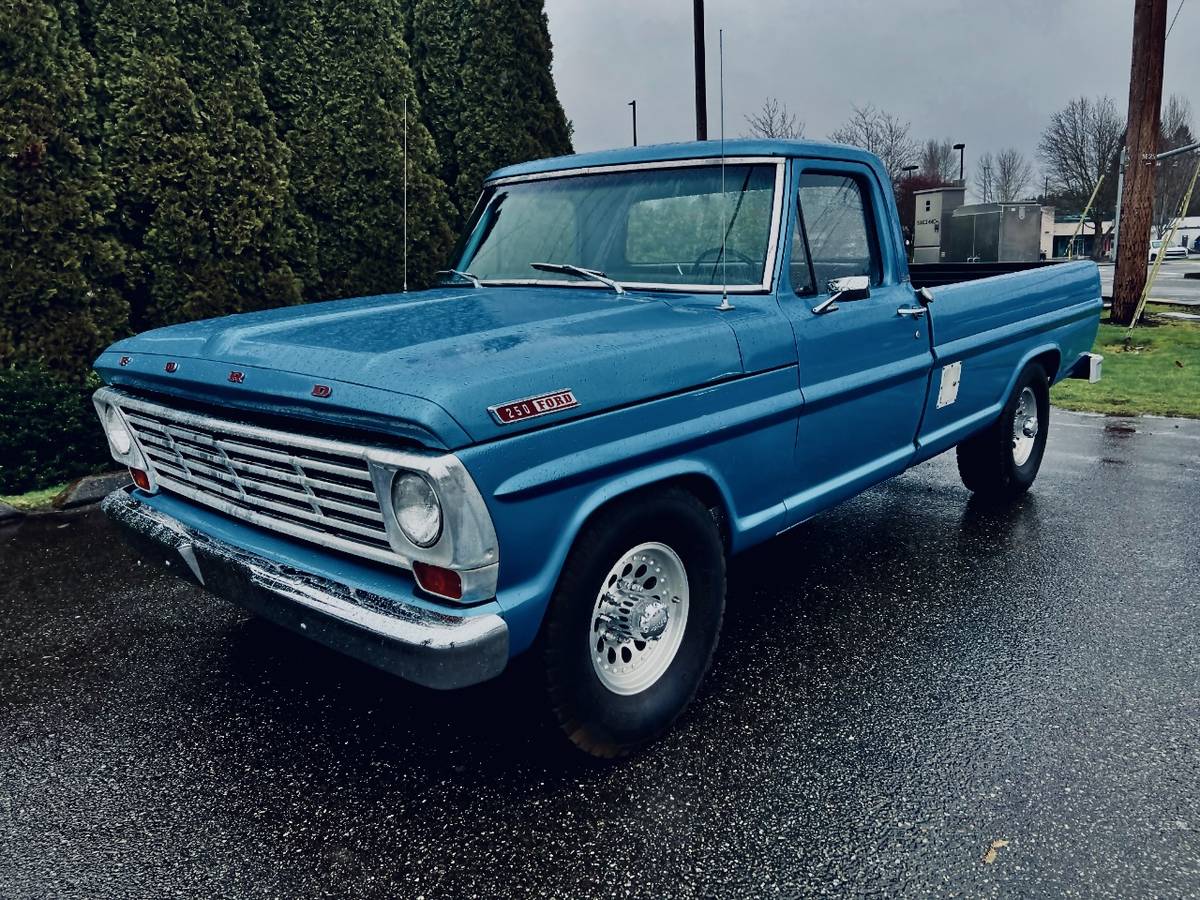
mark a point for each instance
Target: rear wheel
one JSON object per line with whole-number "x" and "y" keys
{"x": 1002, "y": 461}
{"x": 634, "y": 621}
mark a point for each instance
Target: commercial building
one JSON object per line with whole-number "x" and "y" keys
{"x": 1187, "y": 234}
{"x": 946, "y": 229}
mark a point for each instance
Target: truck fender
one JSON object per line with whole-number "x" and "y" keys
{"x": 523, "y": 611}
{"x": 1041, "y": 351}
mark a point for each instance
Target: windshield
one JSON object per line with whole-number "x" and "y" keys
{"x": 648, "y": 227}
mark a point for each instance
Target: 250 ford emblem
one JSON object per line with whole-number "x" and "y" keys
{"x": 531, "y": 407}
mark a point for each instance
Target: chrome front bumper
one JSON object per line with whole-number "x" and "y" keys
{"x": 435, "y": 649}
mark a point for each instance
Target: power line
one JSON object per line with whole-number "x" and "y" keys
{"x": 1176, "y": 16}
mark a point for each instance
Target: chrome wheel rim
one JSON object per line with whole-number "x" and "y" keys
{"x": 639, "y": 618}
{"x": 1025, "y": 426}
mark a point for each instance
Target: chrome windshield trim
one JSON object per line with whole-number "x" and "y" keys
{"x": 628, "y": 285}
{"x": 634, "y": 167}
{"x": 770, "y": 265}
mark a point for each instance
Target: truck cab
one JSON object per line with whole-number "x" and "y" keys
{"x": 640, "y": 363}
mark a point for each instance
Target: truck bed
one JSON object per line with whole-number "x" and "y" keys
{"x": 939, "y": 274}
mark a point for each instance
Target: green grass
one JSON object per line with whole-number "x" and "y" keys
{"x": 1153, "y": 369}
{"x": 39, "y": 499}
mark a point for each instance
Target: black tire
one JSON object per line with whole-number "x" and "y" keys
{"x": 986, "y": 461}
{"x": 596, "y": 719}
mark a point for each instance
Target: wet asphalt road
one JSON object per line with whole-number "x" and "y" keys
{"x": 901, "y": 682}
{"x": 1170, "y": 286}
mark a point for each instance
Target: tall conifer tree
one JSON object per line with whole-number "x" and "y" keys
{"x": 203, "y": 199}
{"x": 510, "y": 107}
{"x": 57, "y": 262}
{"x": 338, "y": 79}
{"x": 437, "y": 34}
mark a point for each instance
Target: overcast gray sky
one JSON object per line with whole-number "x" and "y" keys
{"x": 985, "y": 73}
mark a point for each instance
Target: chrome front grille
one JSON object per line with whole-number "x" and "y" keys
{"x": 308, "y": 488}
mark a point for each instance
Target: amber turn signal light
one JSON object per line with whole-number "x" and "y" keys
{"x": 436, "y": 580}
{"x": 140, "y": 478}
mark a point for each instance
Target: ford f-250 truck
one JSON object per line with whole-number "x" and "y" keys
{"x": 642, "y": 362}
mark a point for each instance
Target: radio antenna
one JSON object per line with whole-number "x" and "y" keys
{"x": 406, "y": 195}
{"x": 725, "y": 304}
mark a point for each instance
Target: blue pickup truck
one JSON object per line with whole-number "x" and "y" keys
{"x": 642, "y": 362}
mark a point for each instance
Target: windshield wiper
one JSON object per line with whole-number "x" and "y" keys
{"x": 579, "y": 272}
{"x": 475, "y": 282}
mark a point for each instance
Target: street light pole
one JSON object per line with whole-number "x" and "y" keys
{"x": 909, "y": 197}
{"x": 701, "y": 90}
{"x": 633, "y": 105}
{"x": 960, "y": 148}
{"x": 1120, "y": 194}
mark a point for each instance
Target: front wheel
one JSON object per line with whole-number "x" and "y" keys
{"x": 634, "y": 621}
{"x": 1001, "y": 462}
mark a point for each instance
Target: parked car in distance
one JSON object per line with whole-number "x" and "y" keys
{"x": 1174, "y": 251}
{"x": 641, "y": 362}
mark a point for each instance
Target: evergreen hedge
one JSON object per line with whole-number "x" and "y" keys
{"x": 59, "y": 262}
{"x": 165, "y": 160}
{"x": 48, "y": 430}
{"x": 339, "y": 80}
{"x": 510, "y": 111}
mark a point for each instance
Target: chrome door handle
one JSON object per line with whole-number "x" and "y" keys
{"x": 915, "y": 311}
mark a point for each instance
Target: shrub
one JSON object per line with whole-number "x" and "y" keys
{"x": 203, "y": 201}
{"x": 58, "y": 262}
{"x": 510, "y": 111}
{"x": 337, "y": 77}
{"x": 48, "y": 430}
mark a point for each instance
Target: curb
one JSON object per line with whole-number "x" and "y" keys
{"x": 89, "y": 489}
{"x": 9, "y": 513}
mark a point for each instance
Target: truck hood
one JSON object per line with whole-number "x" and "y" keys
{"x": 436, "y": 359}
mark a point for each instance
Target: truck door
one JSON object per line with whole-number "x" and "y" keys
{"x": 864, "y": 356}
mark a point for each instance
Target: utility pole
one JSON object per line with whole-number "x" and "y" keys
{"x": 1141, "y": 145}
{"x": 633, "y": 105}
{"x": 701, "y": 91}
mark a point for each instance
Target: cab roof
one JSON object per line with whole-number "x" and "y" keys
{"x": 691, "y": 150}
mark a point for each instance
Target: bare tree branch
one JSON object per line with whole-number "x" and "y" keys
{"x": 881, "y": 133}
{"x": 1013, "y": 174}
{"x": 985, "y": 179}
{"x": 937, "y": 160}
{"x": 1077, "y": 147}
{"x": 774, "y": 121}
{"x": 1171, "y": 179}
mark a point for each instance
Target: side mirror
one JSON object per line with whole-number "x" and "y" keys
{"x": 851, "y": 287}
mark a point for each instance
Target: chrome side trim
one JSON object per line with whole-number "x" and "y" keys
{"x": 433, "y": 648}
{"x": 770, "y": 264}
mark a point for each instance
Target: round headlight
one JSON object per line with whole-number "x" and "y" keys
{"x": 417, "y": 508}
{"x": 118, "y": 434}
